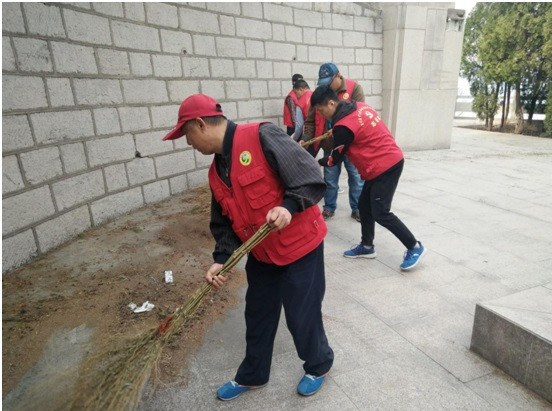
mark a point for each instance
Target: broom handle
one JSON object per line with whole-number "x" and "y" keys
{"x": 319, "y": 138}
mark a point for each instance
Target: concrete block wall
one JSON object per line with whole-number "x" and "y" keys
{"x": 89, "y": 90}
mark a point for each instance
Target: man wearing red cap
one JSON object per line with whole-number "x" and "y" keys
{"x": 260, "y": 175}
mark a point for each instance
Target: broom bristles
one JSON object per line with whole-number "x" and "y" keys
{"x": 119, "y": 386}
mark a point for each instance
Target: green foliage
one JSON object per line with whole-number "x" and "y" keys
{"x": 509, "y": 43}
{"x": 548, "y": 115}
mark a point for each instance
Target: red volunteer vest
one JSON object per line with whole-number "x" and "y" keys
{"x": 287, "y": 115}
{"x": 373, "y": 150}
{"x": 255, "y": 190}
{"x": 304, "y": 103}
{"x": 319, "y": 121}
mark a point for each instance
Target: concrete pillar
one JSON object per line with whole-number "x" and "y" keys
{"x": 422, "y": 46}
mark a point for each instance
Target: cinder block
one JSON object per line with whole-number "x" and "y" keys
{"x": 294, "y": 34}
{"x": 87, "y": 27}
{"x": 305, "y": 68}
{"x": 109, "y": 150}
{"x": 12, "y": 179}
{"x": 228, "y": 8}
{"x": 203, "y": 160}
{"x": 60, "y": 92}
{"x": 282, "y": 71}
{"x": 145, "y": 91}
{"x": 70, "y": 58}
{"x": 152, "y": 143}
{"x": 44, "y": 19}
{"x": 164, "y": 116}
{"x": 238, "y": 89}
{"x": 107, "y": 121}
{"x": 275, "y": 12}
{"x": 374, "y": 40}
{"x": 329, "y": 37}
{"x": 320, "y": 54}
{"x": 230, "y": 47}
{"x": 180, "y": 89}
{"x": 26, "y": 208}
{"x": 363, "y": 56}
{"x": 33, "y": 54}
{"x": 204, "y": 45}
{"x": 278, "y": 32}
{"x": 373, "y": 72}
{"x": 327, "y": 21}
{"x": 342, "y": 21}
{"x": 16, "y": 133}
{"x": 116, "y": 205}
{"x": 97, "y": 91}
{"x": 245, "y": 69}
{"x": 134, "y": 118}
{"x": 274, "y": 88}
{"x": 347, "y": 8}
{"x": 250, "y": 109}
{"x": 140, "y": 170}
{"x": 198, "y": 178}
{"x": 213, "y": 88}
{"x": 166, "y": 66}
{"x": 8, "y": 58}
{"x": 227, "y": 25}
{"x": 12, "y": 18}
{"x": 322, "y": 7}
{"x": 280, "y": 51}
{"x": 134, "y": 11}
{"x": 113, "y": 62}
{"x": 178, "y": 184}
{"x": 23, "y": 92}
{"x": 302, "y": 52}
{"x": 309, "y": 36}
{"x": 265, "y": 69}
{"x": 78, "y": 189}
{"x": 354, "y": 39}
{"x": 344, "y": 55}
{"x": 140, "y": 64}
{"x": 41, "y": 165}
{"x": 115, "y": 177}
{"x": 272, "y": 107}
{"x": 306, "y": 18}
{"x": 161, "y": 14}
{"x": 222, "y": 68}
{"x": 63, "y": 125}
{"x": 174, "y": 163}
{"x": 252, "y": 10}
{"x": 357, "y": 72}
{"x": 254, "y": 49}
{"x": 254, "y": 29}
{"x": 230, "y": 109}
{"x": 73, "y": 157}
{"x": 195, "y": 67}
{"x": 176, "y": 42}
{"x": 377, "y": 56}
{"x": 134, "y": 36}
{"x": 111, "y": 9}
{"x": 364, "y": 24}
{"x": 156, "y": 191}
{"x": 18, "y": 249}
{"x": 259, "y": 89}
{"x": 63, "y": 228}
{"x": 199, "y": 21}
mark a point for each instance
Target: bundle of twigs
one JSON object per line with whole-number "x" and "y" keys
{"x": 118, "y": 384}
{"x": 324, "y": 136}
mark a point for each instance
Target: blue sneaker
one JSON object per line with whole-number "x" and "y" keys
{"x": 310, "y": 384}
{"x": 360, "y": 251}
{"x": 412, "y": 257}
{"x": 232, "y": 390}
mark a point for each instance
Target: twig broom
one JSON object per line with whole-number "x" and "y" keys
{"x": 324, "y": 136}
{"x": 119, "y": 385}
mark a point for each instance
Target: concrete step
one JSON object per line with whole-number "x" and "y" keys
{"x": 515, "y": 334}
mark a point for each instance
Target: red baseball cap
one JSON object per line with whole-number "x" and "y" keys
{"x": 197, "y": 105}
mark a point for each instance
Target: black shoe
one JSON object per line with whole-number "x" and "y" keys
{"x": 356, "y": 215}
{"x": 327, "y": 214}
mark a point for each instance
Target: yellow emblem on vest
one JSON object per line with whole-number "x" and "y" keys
{"x": 346, "y": 96}
{"x": 245, "y": 158}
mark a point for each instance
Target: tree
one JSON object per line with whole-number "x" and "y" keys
{"x": 547, "y": 51}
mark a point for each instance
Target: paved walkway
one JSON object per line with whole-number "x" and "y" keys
{"x": 401, "y": 341}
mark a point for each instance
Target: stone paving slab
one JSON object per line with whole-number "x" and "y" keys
{"x": 484, "y": 211}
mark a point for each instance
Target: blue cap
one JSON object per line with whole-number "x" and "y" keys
{"x": 327, "y": 73}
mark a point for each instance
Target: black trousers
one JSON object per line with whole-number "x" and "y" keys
{"x": 290, "y": 130}
{"x": 300, "y": 288}
{"x": 374, "y": 206}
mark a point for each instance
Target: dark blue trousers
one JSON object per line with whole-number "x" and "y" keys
{"x": 299, "y": 287}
